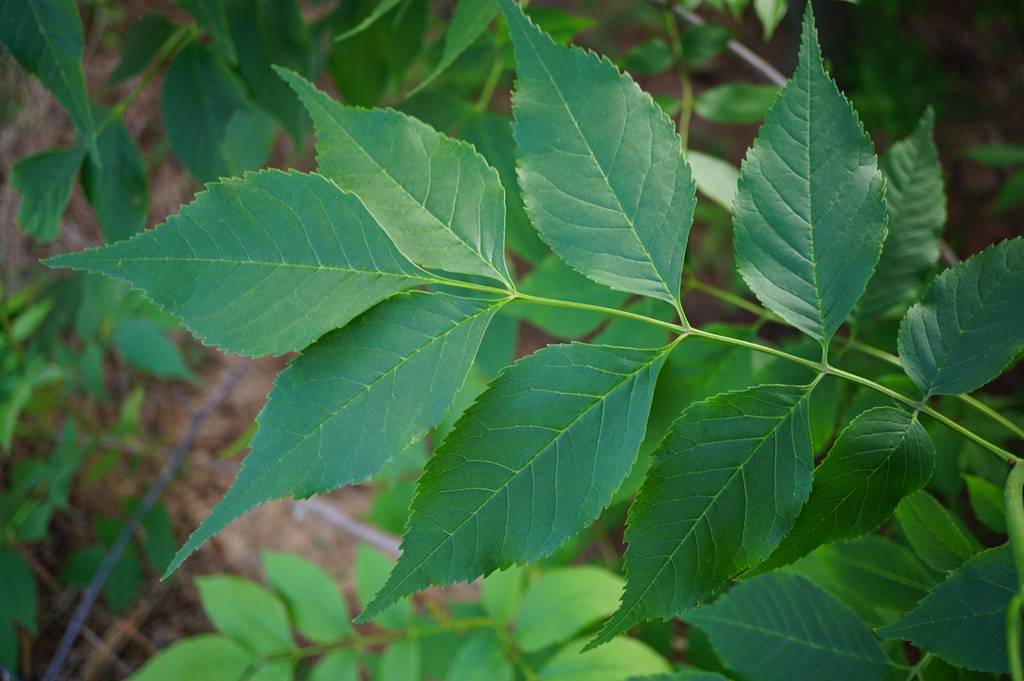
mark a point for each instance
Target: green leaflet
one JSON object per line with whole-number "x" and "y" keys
{"x": 715, "y": 178}
{"x": 200, "y": 658}
{"x": 562, "y": 602}
{"x": 968, "y": 327}
{"x": 45, "y": 36}
{"x": 881, "y": 457}
{"x": 140, "y": 45}
{"x": 809, "y": 212}
{"x": 481, "y": 658}
{"x": 260, "y": 265}
{"x": 781, "y": 627}
{"x": 987, "y": 503}
{"x": 246, "y": 612}
{"x": 118, "y": 189}
{"x": 599, "y": 165}
{"x": 963, "y": 620}
{"x": 200, "y": 95}
{"x": 618, "y": 659}
{"x": 916, "y": 204}
{"x": 532, "y": 462}
{"x": 470, "y": 19}
{"x": 437, "y": 198}
{"x": 938, "y": 538}
{"x": 314, "y": 603}
{"x": 353, "y": 400}
{"x": 735, "y": 102}
{"x": 725, "y": 486}
{"x": 382, "y": 8}
{"x": 211, "y": 16}
{"x": 271, "y": 32}
{"x": 45, "y": 181}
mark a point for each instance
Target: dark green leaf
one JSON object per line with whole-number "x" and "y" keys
{"x": 735, "y": 102}
{"x": 213, "y": 19}
{"x": 470, "y": 19}
{"x": 382, "y": 8}
{"x": 144, "y": 346}
{"x": 987, "y": 503}
{"x": 260, "y": 265}
{"x": 118, "y": 189}
{"x": 780, "y": 627}
{"x": 18, "y": 591}
{"x": 45, "y": 36}
{"x": 725, "y": 486}
{"x": 599, "y": 165}
{"x": 140, "y": 45}
{"x": 939, "y": 538}
{"x": 44, "y": 181}
{"x": 532, "y": 462}
{"x": 968, "y": 327}
{"x": 881, "y": 457}
{"x": 963, "y": 620}
{"x": 810, "y": 212}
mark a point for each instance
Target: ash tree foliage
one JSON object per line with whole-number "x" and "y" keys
{"x": 384, "y": 268}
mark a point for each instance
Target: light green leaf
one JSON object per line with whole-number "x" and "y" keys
{"x": 987, "y": 503}
{"x": 118, "y": 189}
{"x": 938, "y": 537}
{"x": 963, "y": 620}
{"x": 312, "y": 598}
{"x": 780, "y": 627}
{"x": 618, "y": 660}
{"x": 213, "y": 19}
{"x": 599, "y": 165}
{"x": 246, "y": 612}
{"x": 337, "y": 666}
{"x": 650, "y": 56}
{"x": 280, "y": 670}
{"x": 877, "y": 578}
{"x": 881, "y": 457}
{"x": 501, "y": 591}
{"x": 564, "y": 601}
{"x": 141, "y": 43}
{"x": 968, "y": 328}
{"x": 371, "y": 572}
{"x": 260, "y": 265}
{"x": 481, "y": 658}
{"x": 353, "y": 400}
{"x": 715, "y": 178}
{"x": 200, "y": 658}
{"x": 200, "y": 95}
{"x": 810, "y": 213}
{"x": 554, "y": 277}
{"x": 915, "y": 201}
{"x": 45, "y": 36}
{"x": 735, "y": 102}
{"x": 44, "y": 181}
{"x": 999, "y": 155}
{"x": 770, "y": 13}
{"x": 725, "y": 486}
{"x": 265, "y": 33}
{"x": 400, "y": 662}
{"x": 470, "y": 19}
{"x": 382, "y": 8}
{"x": 437, "y": 197}
{"x": 683, "y": 675}
{"x": 531, "y": 463}
{"x": 144, "y": 346}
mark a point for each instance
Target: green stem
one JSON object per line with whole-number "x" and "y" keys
{"x": 683, "y": 331}
{"x": 685, "y": 84}
{"x": 1013, "y": 500}
{"x": 491, "y": 84}
{"x": 915, "y": 671}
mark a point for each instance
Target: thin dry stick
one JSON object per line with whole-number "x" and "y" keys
{"x": 365, "y": 533}
{"x": 174, "y": 461}
{"x": 772, "y": 75}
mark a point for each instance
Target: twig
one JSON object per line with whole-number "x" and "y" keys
{"x": 174, "y": 462}
{"x": 371, "y": 535}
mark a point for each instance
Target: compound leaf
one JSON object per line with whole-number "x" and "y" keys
{"x": 263, "y": 264}
{"x": 724, "y": 487}
{"x": 45, "y": 36}
{"x": 938, "y": 537}
{"x": 810, "y": 212}
{"x": 963, "y": 620}
{"x": 882, "y": 456}
{"x": 915, "y": 201}
{"x": 45, "y": 181}
{"x": 968, "y": 328}
{"x": 529, "y": 465}
{"x": 437, "y": 197}
{"x": 599, "y": 165}
{"x": 781, "y": 627}
{"x": 353, "y": 400}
